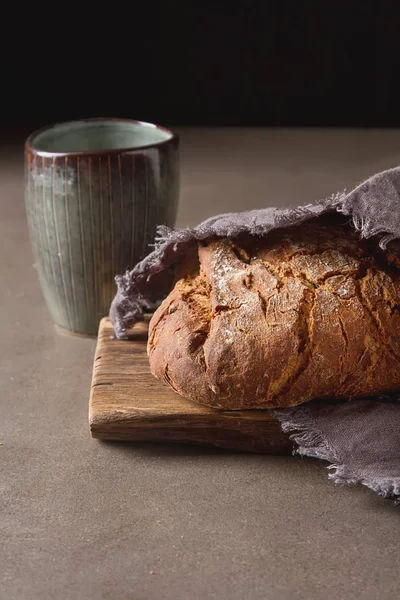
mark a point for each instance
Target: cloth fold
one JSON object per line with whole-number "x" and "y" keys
{"x": 361, "y": 439}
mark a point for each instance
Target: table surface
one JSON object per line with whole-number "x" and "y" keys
{"x": 87, "y": 519}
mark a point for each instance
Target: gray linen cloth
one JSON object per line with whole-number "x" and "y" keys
{"x": 361, "y": 438}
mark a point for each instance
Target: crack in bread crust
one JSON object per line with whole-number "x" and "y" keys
{"x": 299, "y": 364}
{"x": 380, "y": 332}
{"x": 343, "y": 354}
{"x": 310, "y": 313}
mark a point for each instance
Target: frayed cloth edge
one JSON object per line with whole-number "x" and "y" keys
{"x": 310, "y": 442}
{"x": 171, "y": 245}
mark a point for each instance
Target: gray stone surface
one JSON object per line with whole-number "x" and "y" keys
{"x": 83, "y": 519}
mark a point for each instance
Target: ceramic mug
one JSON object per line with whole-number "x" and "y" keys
{"x": 95, "y": 191}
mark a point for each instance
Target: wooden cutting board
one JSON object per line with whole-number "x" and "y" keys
{"x": 128, "y": 403}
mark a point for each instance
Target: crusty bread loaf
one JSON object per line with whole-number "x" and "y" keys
{"x": 308, "y": 312}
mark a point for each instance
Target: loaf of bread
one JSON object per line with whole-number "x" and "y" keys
{"x": 308, "y": 312}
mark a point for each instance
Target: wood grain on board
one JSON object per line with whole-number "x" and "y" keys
{"x": 128, "y": 403}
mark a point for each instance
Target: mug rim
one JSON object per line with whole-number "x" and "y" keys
{"x": 35, "y": 151}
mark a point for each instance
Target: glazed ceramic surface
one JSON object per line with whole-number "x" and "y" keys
{"x": 95, "y": 191}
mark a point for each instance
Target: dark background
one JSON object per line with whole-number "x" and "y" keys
{"x": 300, "y": 63}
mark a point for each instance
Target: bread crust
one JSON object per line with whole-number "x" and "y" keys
{"x": 308, "y": 312}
